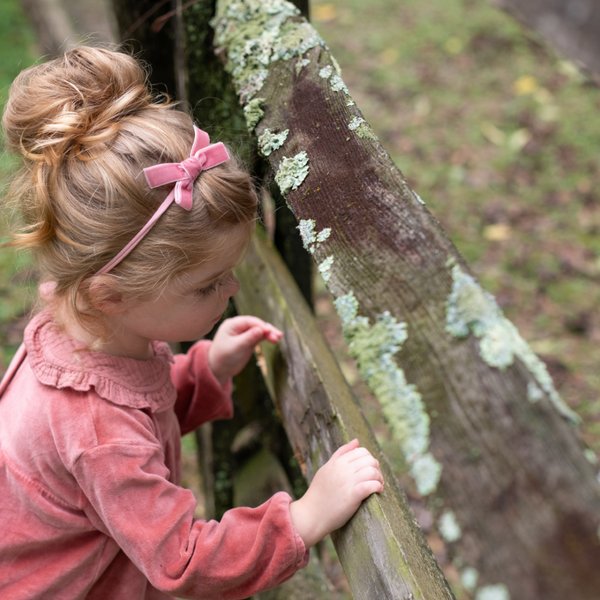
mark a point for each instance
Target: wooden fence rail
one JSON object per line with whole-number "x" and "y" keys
{"x": 382, "y": 548}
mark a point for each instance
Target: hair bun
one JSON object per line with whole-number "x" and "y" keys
{"x": 72, "y": 106}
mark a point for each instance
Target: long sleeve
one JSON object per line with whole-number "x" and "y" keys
{"x": 152, "y": 521}
{"x": 200, "y": 397}
{"x": 89, "y": 468}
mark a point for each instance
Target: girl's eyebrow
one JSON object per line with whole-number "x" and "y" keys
{"x": 210, "y": 279}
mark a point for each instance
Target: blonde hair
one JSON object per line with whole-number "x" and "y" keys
{"x": 86, "y": 125}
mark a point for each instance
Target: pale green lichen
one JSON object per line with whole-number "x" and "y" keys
{"x": 326, "y": 72}
{"x": 253, "y": 112}
{"x": 257, "y": 33}
{"x": 361, "y": 128}
{"x": 426, "y": 471}
{"x": 449, "y": 527}
{"x": 336, "y": 66}
{"x": 590, "y": 456}
{"x": 374, "y": 348}
{"x": 493, "y": 592}
{"x": 534, "y": 394}
{"x": 469, "y": 578}
{"x": 324, "y": 268}
{"x": 471, "y": 309}
{"x": 338, "y": 85}
{"x": 301, "y": 62}
{"x": 355, "y": 123}
{"x": 292, "y": 172}
{"x": 418, "y": 198}
{"x": 269, "y": 141}
{"x": 306, "y": 227}
{"x": 310, "y": 238}
{"x": 323, "y": 235}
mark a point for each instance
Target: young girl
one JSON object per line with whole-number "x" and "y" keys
{"x": 137, "y": 222}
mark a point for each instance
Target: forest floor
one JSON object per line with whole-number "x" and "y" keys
{"x": 493, "y": 131}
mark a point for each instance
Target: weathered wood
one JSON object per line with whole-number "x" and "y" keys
{"x": 571, "y": 26}
{"x": 215, "y": 106}
{"x": 483, "y": 431}
{"x": 382, "y": 549}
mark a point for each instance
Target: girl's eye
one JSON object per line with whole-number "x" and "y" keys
{"x": 208, "y": 290}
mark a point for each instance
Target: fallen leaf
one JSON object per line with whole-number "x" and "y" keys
{"x": 526, "y": 84}
{"x": 454, "y": 45}
{"x": 389, "y": 56}
{"x": 518, "y": 139}
{"x": 493, "y": 134}
{"x": 324, "y": 12}
{"x": 261, "y": 363}
{"x": 497, "y": 233}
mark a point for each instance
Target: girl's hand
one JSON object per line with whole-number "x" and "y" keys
{"x": 234, "y": 343}
{"x": 336, "y": 492}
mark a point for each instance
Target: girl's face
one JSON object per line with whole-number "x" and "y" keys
{"x": 187, "y": 310}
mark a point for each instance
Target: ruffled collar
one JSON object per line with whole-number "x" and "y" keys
{"x": 143, "y": 384}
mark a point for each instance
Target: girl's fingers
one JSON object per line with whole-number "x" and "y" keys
{"x": 357, "y": 454}
{"x": 273, "y": 335}
{"x": 366, "y": 488}
{"x": 251, "y": 337}
{"x": 363, "y": 463}
{"x": 345, "y": 449}
{"x": 239, "y": 325}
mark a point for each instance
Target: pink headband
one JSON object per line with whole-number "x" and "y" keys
{"x": 203, "y": 155}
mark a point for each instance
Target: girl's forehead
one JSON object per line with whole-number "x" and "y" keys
{"x": 226, "y": 258}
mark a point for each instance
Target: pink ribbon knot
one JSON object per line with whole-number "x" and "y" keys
{"x": 203, "y": 155}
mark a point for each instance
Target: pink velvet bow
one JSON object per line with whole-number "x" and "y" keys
{"x": 203, "y": 155}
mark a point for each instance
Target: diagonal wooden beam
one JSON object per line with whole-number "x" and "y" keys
{"x": 382, "y": 549}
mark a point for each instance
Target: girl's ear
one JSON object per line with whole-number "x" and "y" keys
{"x": 104, "y": 296}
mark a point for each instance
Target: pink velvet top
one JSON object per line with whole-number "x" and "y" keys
{"x": 90, "y": 502}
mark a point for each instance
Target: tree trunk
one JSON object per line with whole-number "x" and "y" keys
{"x": 571, "y": 26}
{"x": 382, "y": 549}
{"x": 60, "y": 24}
{"x": 484, "y": 433}
{"x": 135, "y": 19}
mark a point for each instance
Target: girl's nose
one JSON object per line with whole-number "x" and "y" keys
{"x": 230, "y": 287}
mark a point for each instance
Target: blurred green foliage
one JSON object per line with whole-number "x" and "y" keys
{"x": 17, "y": 51}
